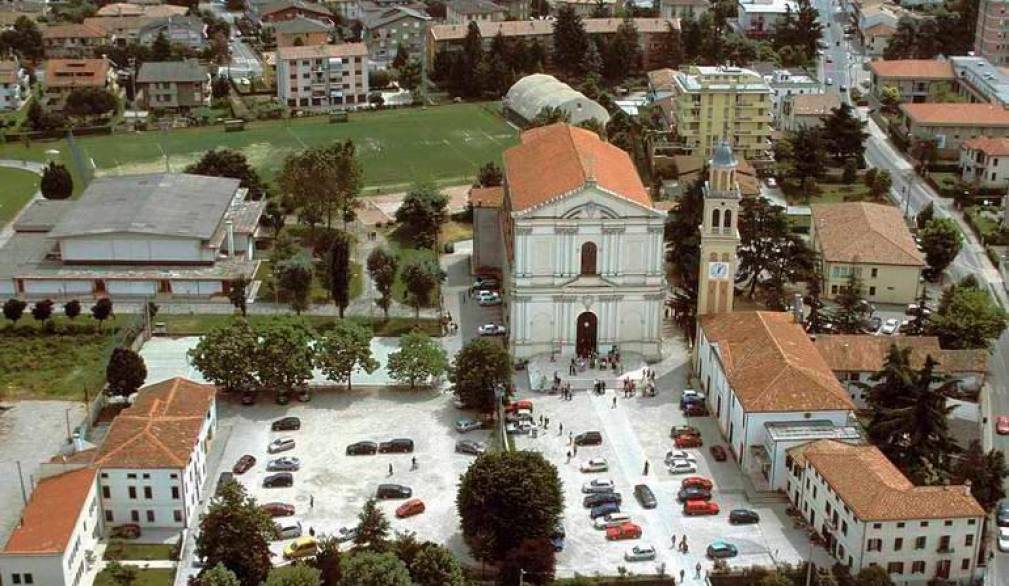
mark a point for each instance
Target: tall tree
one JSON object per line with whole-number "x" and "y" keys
{"x": 294, "y": 277}
{"x": 571, "y": 42}
{"x": 339, "y": 271}
{"x": 903, "y": 42}
{"x": 382, "y": 267}
{"x": 623, "y": 53}
{"x": 672, "y": 48}
{"x": 410, "y": 77}
{"x": 125, "y": 373}
{"x": 421, "y": 277}
{"x": 418, "y": 360}
{"x": 372, "y": 528}
{"x": 374, "y": 569}
{"x": 466, "y": 74}
{"x": 56, "y": 182}
{"x": 986, "y": 473}
{"x": 232, "y": 164}
{"x": 238, "y": 292}
{"x": 803, "y": 153}
{"x": 402, "y": 57}
{"x": 683, "y": 250}
{"x": 941, "y": 240}
{"x": 342, "y": 349}
{"x": 24, "y": 38}
{"x": 480, "y": 366}
{"x": 327, "y": 561}
{"x": 226, "y": 356}
{"x": 764, "y": 233}
{"x": 852, "y": 308}
{"x": 967, "y": 318}
{"x": 161, "y": 48}
{"x": 422, "y": 213}
{"x": 285, "y": 356}
{"x": 293, "y": 575}
{"x": 490, "y": 175}
{"x": 435, "y": 565}
{"x": 233, "y": 513}
{"x": 844, "y": 134}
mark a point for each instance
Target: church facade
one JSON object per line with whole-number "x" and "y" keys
{"x": 584, "y": 262}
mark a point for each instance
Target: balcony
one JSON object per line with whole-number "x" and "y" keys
{"x": 944, "y": 549}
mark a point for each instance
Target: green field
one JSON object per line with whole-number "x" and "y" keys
{"x": 18, "y": 189}
{"x": 446, "y": 144}
{"x": 145, "y": 577}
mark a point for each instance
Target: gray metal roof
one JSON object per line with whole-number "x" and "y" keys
{"x": 722, "y": 156}
{"x": 300, "y": 25}
{"x": 166, "y": 204}
{"x": 474, "y": 6}
{"x": 42, "y": 214}
{"x": 171, "y": 71}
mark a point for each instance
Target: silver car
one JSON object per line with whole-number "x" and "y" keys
{"x": 466, "y": 424}
{"x": 281, "y": 444}
{"x": 470, "y": 447}
{"x": 640, "y": 553}
{"x": 598, "y": 485}
{"x": 286, "y": 464}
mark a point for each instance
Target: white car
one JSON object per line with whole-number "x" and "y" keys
{"x": 1003, "y": 539}
{"x": 519, "y": 427}
{"x": 640, "y": 553}
{"x": 674, "y": 455}
{"x": 488, "y": 298}
{"x": 598, "y": 485}
{"x": 595, "y": 465}
{"x": 611, "y": 520}
{"x": 491, "y": 329}
{"x": 681, "y": 467}
{"x": 281, "y": 444}
{"x": 889, "y": 327}
{"x": 772, "y": 182}
{"x": 694, "y": 395}
{"x": 829, "y": 81}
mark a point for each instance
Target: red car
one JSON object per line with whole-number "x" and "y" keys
{"x": 688, "y": 441}
{"x": 277, "y": 509}
{"x": 697, "y": 482}
{"x": 517, "y": 405}
{"x": 623, "y": 531}
{"x": 243, "y": 464}
{"x": 410, "y": 508}
{"x": 1002, "y": 424}
{"x": 719, "y": 453}
{"x": 700, "y": 508}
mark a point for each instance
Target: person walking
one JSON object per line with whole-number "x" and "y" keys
{"x": 697, "y": 570}
{"x": 614, "y": 402}
{"x": 645, "y": 473}
{"x": 673, "y": 546}
{"x": 683, "y": 575}
{"x": 569, "y": 457}
{"x": 311, "y": 501}
{"x": 390, "y": 469}
{"x": 413, "y": 463}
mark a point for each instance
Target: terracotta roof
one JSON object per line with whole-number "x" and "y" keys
{"x": 974, "y": 115}
{"x": 955, "y": 361}
{"x": 521, "y": 28}
{"x": 48, "y": 522}
{"x": 555, "y": 160}
{"x": 865, "y": 233}
{"x": 323, "y": 51}
{"x": 486, "y": 197}
{"x": 880, "y": 28}
{"x": 73, "y": 31}
{"x": 853, "y": 353}
{"x": 990, "y": 146}
{"x": 876, "y": 490}
{"x": 160, "y": 429}
{"x": 913, "y": 69}
{"x": 282, "y": 5}
{"x": 662, "y": 79}
{"x": 814, "y": 104}
{"x": 771, "y": 364}
{"x": 76, "y": 72}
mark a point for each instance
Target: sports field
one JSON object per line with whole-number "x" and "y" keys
{"x": 446, "y": 144}
{"x": 17, "y": 189}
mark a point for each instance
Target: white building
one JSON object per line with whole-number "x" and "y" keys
{"x": 13, "y": 84}
{"x": 984, "y": 162}
{"x": 323, "y": 76}
{"x": 784, "y": 85}
{"x": 870, "y": 514}
{"x": 584, "y": 252}
{"x": 527, "y": 97}
{"x": 683, "y": 9}
{"x": 774, "y": 461}
{"x": 759, "y": 18}
{"x": 59, "y": 527}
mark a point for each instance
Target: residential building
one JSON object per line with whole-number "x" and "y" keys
{"x": 980, "y": 81}
{"x": 346, "y": 10}
{"x": 873, "y": 241}
{"x": 187, "y": 31}
{"x": 73, "y": 40}
{"x": 65, "y": 75}
{"x": 59, "y": 527}
{"x": 14, "y": 88}
{"x": 984, "y": 162}
{"x": 528, "y": 97}
{"x": 759, "y": 18}
{"x": 488, "y": 249}
{"x": 173, "y": 85}
{"x": 289, "y": 9}
{"x": 301, "y": 31}
{"x": 166, "y": 234}
{"x": 951, "y": 124}
{"x": 323, "y": 76}
{"x": 124, "y": 29}
{"x": 785, "y": 83}
{"x": 869, "y": 513}
{"x": 917, "y": 80}
{"x": 875, "y": 38}
{"x": 149, "y": 10}
{"x": 583, "y": 248}
{"x": 586, "y": 8}
{"x": 683, "y": 9}
{"x": 876, "y": 23}
{"x": 772, "y": 459}
{"x": 387, "y": 29}
{"x": 712, "y": 103}
{"x": 991, "y": 32}
{"x": 464, "y": 11}
{"x": 807, "y": 111}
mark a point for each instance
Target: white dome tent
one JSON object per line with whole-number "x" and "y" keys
{"x": 529, "y": 95}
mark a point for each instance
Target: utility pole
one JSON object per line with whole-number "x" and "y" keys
{"x": 21, "y": 479}
{"x": 66, "y": 414}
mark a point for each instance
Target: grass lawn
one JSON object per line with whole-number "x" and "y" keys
{"x": 318, "y": 291}
{"x": 454, "y": 231}
{"x": 18, "y": 189}
{"x": 196, "y": 324}
{"x": 148, "y": 577}
{"x": 834, "y": 193}
{"x": 121, "y": 550}
{"x": 446, "y": 144}
{"x": 52, "y": 365}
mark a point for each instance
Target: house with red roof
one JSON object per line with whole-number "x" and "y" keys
{"x": 984, "y": 162}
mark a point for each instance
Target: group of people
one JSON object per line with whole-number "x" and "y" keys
{"x": 448, "y": 325}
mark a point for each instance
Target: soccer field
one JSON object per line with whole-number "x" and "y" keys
{"x": 446, "y": 144}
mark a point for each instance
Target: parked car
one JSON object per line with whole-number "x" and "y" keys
{"x": 1003, "y": 539}
{"x": 693, "y": 493}
{"x": 287, "y": 464}
{"x": 126, "y": 531}
{"x": 279, "y": 480}
{"x": 345, "y": 534}
{"x": 688, "y": 441}
{"x": 1002, "y": 514}
{"x": 286, "y": 424}
{"x": 743, "y": 517}
{"x": 601, "y": 498}
{"x": 625, "y": 531}
{"x": 518, "y": 405}
{"x": 491, "y": 329}
{"x": 519, "y": 415}
{"x": 695, "y": 410}
{"x": 697, "y": 481}
{"x": 611, "y": 520}
{"x": 281, "y": 444}
{"x": 681, "y": 467}
{"x": 719, "y": 453}
{"x": 594, "y": 465}
{"x": 396, "y": 446}
{"x": 603, "y": 509}
{"x": 889, "y": 327}
{"x": 248, "y": 398}
{"x": 721, "y": 550}
{"x": 362, "y": 449}
{"x": 288, "y": 529}
{"x": 486, "y": 283}
{"x": 679, "y": 430}
{"x": 589, "y": 438}
{"x": 243, "y": 464}
{"x": 393, "y": 491}
{"x": 277, "y": 509}
{"x": 466, "y": 424}
{"x": 679, "y": 455}
{"x": 598, "y": 485}
{"x": 1002, "y": 424}
{"x": 470, "y": 447}
{"x": 302, "y": 547}
{"x": 524, "y": 426}
{"x": 690, "y": 396}
{"x": 410, "y": 508}
{"x": 645, "y": 496}
{"x": 486, "y": 298}
{"x": 640, "y": 553}
{"x": 700, "y": 507}
{"x": 557, "y": 536}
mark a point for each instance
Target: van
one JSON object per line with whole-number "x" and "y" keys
{"x": 288, "y": 529}
{"x": 603, "y": 510}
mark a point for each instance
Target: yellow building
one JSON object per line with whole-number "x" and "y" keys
{"x": 873, "y": 241}
{"x": 710, "y": 104}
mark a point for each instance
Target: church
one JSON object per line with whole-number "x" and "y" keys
{"x": 584, "y": 256}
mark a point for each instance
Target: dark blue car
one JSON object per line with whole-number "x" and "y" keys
{"x": 603, "y": 510}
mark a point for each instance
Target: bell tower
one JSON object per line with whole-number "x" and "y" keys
{"x": 719, "y": 234}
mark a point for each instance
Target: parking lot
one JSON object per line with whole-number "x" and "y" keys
{"x": 339, "y": 484}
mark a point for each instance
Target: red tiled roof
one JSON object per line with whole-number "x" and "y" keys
{"x": 73, "y": 31}
{"x": 988, "y": 145}
{"x": 486, "y": 197}
{"x": 864, "y": 232}
{"x": 48, "y": 522}
{"x": 76, "y": 72}
{"x": 951, "y": 114}
{"x": 913, "y": 69}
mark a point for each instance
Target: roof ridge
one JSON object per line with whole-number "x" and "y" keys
{"x": 872, "y": 222}
{"x": 154, "y": 438}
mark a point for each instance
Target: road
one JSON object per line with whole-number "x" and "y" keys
{"x": 244, "y": 61}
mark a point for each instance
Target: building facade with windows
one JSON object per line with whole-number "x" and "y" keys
{"x": 692, "y": 9}
{"x": 389, "y": 28}
{"x": 991, "y": 35}
{"x": 984, "y": 162}
{"x": 323, "y": 76}
{"x": 173, "y": 85}
{"x": 74, "y": 40}
{"x": 14, "y": 86}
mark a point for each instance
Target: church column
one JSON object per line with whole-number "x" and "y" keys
{"x": 619, "y": 251}
{"x": 604, "y": 253}
{"x": 558, "y": 244}
{"x": 602, "y": 315}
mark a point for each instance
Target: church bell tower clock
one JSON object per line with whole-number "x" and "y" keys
{"x": 719, "y": 234}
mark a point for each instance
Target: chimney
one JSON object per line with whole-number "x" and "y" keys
{"x": 230, "y": 225}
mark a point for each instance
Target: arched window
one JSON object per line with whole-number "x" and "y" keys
{"x": 589, "y": 258}
{"x": 727, "y": 219}
{"x": 715, "y": 216}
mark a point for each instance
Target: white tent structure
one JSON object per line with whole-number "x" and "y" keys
{"x": 532, "y": 93}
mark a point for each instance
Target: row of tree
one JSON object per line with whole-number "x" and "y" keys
{"x": 42, "y": 311}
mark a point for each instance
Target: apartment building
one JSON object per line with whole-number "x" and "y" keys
{"x": 464, "y": 11}
{"x": 984, "y": 162}
{"x": 991, "y": 35}
{"x": 870, "y": 514}
{"x": 785, "y": 84}
{"x": 980, "y": 81}
{"x": 65, "y": 75}
{"x": 950, "y": 124}
{"x": 759, "y": 18}
{"x": 917, "y": 80}
{"x": 13, "y": 84}
{"x": 692, "y": 9}
{"x": 388, "y": 29}
{"x": 173, "y": 85}
{"x": 74, "y": 40}
{"x": 301, "y": 31}
{"x": 323, "y": 76}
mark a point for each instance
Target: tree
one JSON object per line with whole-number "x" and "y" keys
{"x": 925, "y": 152}
{"x": 421, "y": 277}
{"x": 479, "y": 367}
{"x": 231, "y": 164}
{"x": 881, "y": 184}
{"x": 125, "y": 373}
{"x": 410, "y": 75}
{"x": 422, "y": 213}
{"x": 844, "y": 134}
{"x": 273, "y": 218}
{"x": 72, "y": 309}
{"x": 226, "y": 356}
{"x": 294, "y": 575}
{"x": 532, "y": 561}
{"x": 592, "y": 63}
{"x": 220, "y": 88}
{"x": 419, "y": 359}
{"x": 490, "y": 175}
{"x": 967, "y": 318}
{"x": 402, "y": 57}
{"x": 683, "y": 250}
{"x": 56, "y": 182}
{"x": 372, "y": 528}
{"x": 571, "y": 42}
{"x": 850, "y": 172}
{"x": 985, "y": 472}
{"x": 851, "y": 305}
{"x": 925, "y": 216}
{"x": 672, "y": 48}
{"x": 623, "y": 53}
{"x": 285, "y": 356}
{"x": 889, "y": 98}
{"x": 382, "y": 267}
{"x": 13, "y": 309}
{"x": 434, "y": 565}
{"x": 374, "y": 569}
{"x": 549, "y": 115}
{"x": 322, "y": 181}
{"x": 327, "y": 561}
{"x": 120, "y": 574}
{"x": 219, "y": 576}
{"x": 941, "y": 241}
{"x": 816, "y": 319}
{"x": 42, "y": 310}
{"x": 238, "y": 293}
{"x": 339, "y": 271}
{"x": 873, "y": 576}
{"x": 233, "y": 513}
{"x": 764, "y": 234}
{"x": 88, "y": 102}
{"x": 161, "y": 48}
{"x": 294, "y": 276}
{"x": 342, "y": 349}
{"x": 24, "y": 38}
{"x": 803, "y": 154}
{"x": 101, "y": 310}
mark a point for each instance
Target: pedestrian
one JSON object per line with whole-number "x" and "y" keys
{"x": 390, "y": 469}
{"x": 673, "y": 546}
{"x": 569, "y": 457}
{"x": 561, "y": 430}
{"x": 697, "y": 570}
{"x": 646, "y": 468}
{"x": 546, "y": 422}
{"x": 541, "y": 419}
{"x": 614, "y": 402}
{"x": 571, "y": 438}
{"x": 413, "y": 463}
{"x": 311, "y": 531}
{"x": 575, "y": 449}
{"x": 683, "y": 575}
{"x": 311, "y": 501}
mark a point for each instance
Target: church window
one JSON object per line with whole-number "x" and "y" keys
{"x": 727, "y": 219}
{"x": 589, "y": 258}
{"x": 715, "y": 217}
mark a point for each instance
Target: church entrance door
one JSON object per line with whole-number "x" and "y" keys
{"x": 585, "y": 342}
